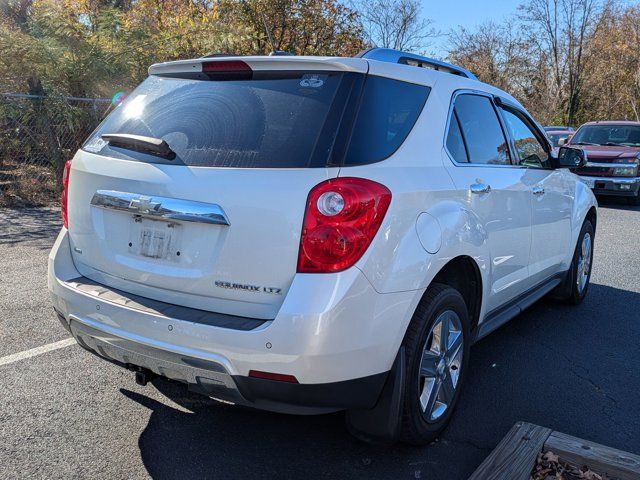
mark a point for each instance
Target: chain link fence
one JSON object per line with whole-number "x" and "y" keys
{"x": 37, "y": 136}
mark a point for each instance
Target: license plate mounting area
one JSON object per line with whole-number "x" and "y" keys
{"x": 154, "y": 239}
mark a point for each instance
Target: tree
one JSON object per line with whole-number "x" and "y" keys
{"x": 495, "y": 55}
{"x": 396, "y": 24}
{"x": 562, "y": 30}
{"x": 301, "y": 27}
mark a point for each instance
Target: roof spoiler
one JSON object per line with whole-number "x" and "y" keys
{"x": 405, "y": 58}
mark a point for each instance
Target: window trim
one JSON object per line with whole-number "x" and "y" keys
{"x": 507, "y": 137}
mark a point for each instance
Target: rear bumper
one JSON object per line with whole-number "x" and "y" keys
{"x": 210, "y": 378}
{"x": 614, "y": 186}
{"x": 334, "y": 333}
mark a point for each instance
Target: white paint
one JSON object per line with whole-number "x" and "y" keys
{"x": 34, "y": 352}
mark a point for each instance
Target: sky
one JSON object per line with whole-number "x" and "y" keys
{"x": 449, "y": 14}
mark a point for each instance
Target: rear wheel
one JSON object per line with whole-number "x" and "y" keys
{"x": 437, "y": 354}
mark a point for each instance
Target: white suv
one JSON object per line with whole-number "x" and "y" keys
{"x": 307, "y": 235}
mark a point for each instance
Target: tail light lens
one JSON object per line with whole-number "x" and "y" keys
{"x": 342, "y": 217}
{"x": 64, "y": 198}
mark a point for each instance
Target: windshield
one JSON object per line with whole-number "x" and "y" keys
{"x": 624, "y": 135}
{"x": 274, "y": 120}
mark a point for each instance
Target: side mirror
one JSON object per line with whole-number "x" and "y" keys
{"x": 569, "y": 157}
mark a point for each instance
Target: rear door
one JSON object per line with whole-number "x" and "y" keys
{"x": 552, "y": 196}
{"x": 479, "y": 162}
{"x": 217, "y": 227}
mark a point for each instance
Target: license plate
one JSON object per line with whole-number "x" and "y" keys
{"x": 589, "y": 182}
{"x": 154, "y": 239}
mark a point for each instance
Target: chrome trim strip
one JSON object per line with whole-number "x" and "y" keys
{"x": 163, "y": 208}
{"x": 610, "y": 165}
{"x": 622, "y": 180}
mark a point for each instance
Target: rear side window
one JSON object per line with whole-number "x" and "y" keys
{"x": 388, "y": 112}
{"x": 455, "y": 142}
{"x": 273, "y": 120}
{"x": 481, "y": 131}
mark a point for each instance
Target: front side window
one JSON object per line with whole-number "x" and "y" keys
{"x": 529, "y": 150}
{"x": 483, "y": 136}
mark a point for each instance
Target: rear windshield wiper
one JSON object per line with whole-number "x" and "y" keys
{"x": 585, "y": 143}
{"x": 612, "y": 144}
{"x": 139, "y": 143}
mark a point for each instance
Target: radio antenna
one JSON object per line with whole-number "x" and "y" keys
{"x": 269, "y": 36}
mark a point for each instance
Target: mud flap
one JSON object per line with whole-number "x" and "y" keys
{"x": 382, "y": 423}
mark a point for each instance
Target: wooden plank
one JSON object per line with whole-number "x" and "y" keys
{"x": 516, "y": 454}
{"x": 600, "y": 459}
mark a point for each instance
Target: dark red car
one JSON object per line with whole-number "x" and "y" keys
{"x": 613, "y": 152}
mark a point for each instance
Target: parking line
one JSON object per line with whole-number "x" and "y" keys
{"x": 16, "y": 357}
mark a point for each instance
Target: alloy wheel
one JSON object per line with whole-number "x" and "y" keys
{"x": 440, "y": 366}
{"x": 584, "y": 263}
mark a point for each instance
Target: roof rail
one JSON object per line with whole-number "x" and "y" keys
{"x": 405, "y": 58}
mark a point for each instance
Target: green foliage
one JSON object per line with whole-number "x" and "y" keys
{"x": 98, "y": 47}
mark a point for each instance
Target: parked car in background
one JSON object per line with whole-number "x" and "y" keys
{"x": 314, "y": 234}
{"x": 559, "y": 137}
{"x": 564, "y": 128}
{"x": 613, "y": 152}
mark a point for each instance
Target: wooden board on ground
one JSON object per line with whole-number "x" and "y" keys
{"x": 600, "y": 459}
{"x": 515, "y": 455}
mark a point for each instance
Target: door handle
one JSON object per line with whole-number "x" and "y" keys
{"x": 538, "y": 190}
{"x": 479, "y": 188}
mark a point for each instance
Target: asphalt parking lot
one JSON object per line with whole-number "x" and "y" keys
{"x": 67, "y": 414}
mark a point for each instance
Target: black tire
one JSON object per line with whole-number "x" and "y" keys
{"x": 438, "y": 299}
{"x": 570, "y": 291}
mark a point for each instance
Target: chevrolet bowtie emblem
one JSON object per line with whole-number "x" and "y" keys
{"x": 144, "y": 204}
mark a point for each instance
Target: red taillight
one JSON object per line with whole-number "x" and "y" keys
{"x": 64, "y": 198}
{"x": 342, "y": 217}
{"x": 279, "y": 377}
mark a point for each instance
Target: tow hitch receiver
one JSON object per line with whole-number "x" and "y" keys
{"x": 143, "y": 376}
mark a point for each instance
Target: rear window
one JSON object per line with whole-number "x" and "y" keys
{"x": 274, "y": 120}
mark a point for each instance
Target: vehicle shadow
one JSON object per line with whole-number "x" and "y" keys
{"x": 35, "y": 226}
{"x": 207, "y": 439}
{"x": 553, "y": 366}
